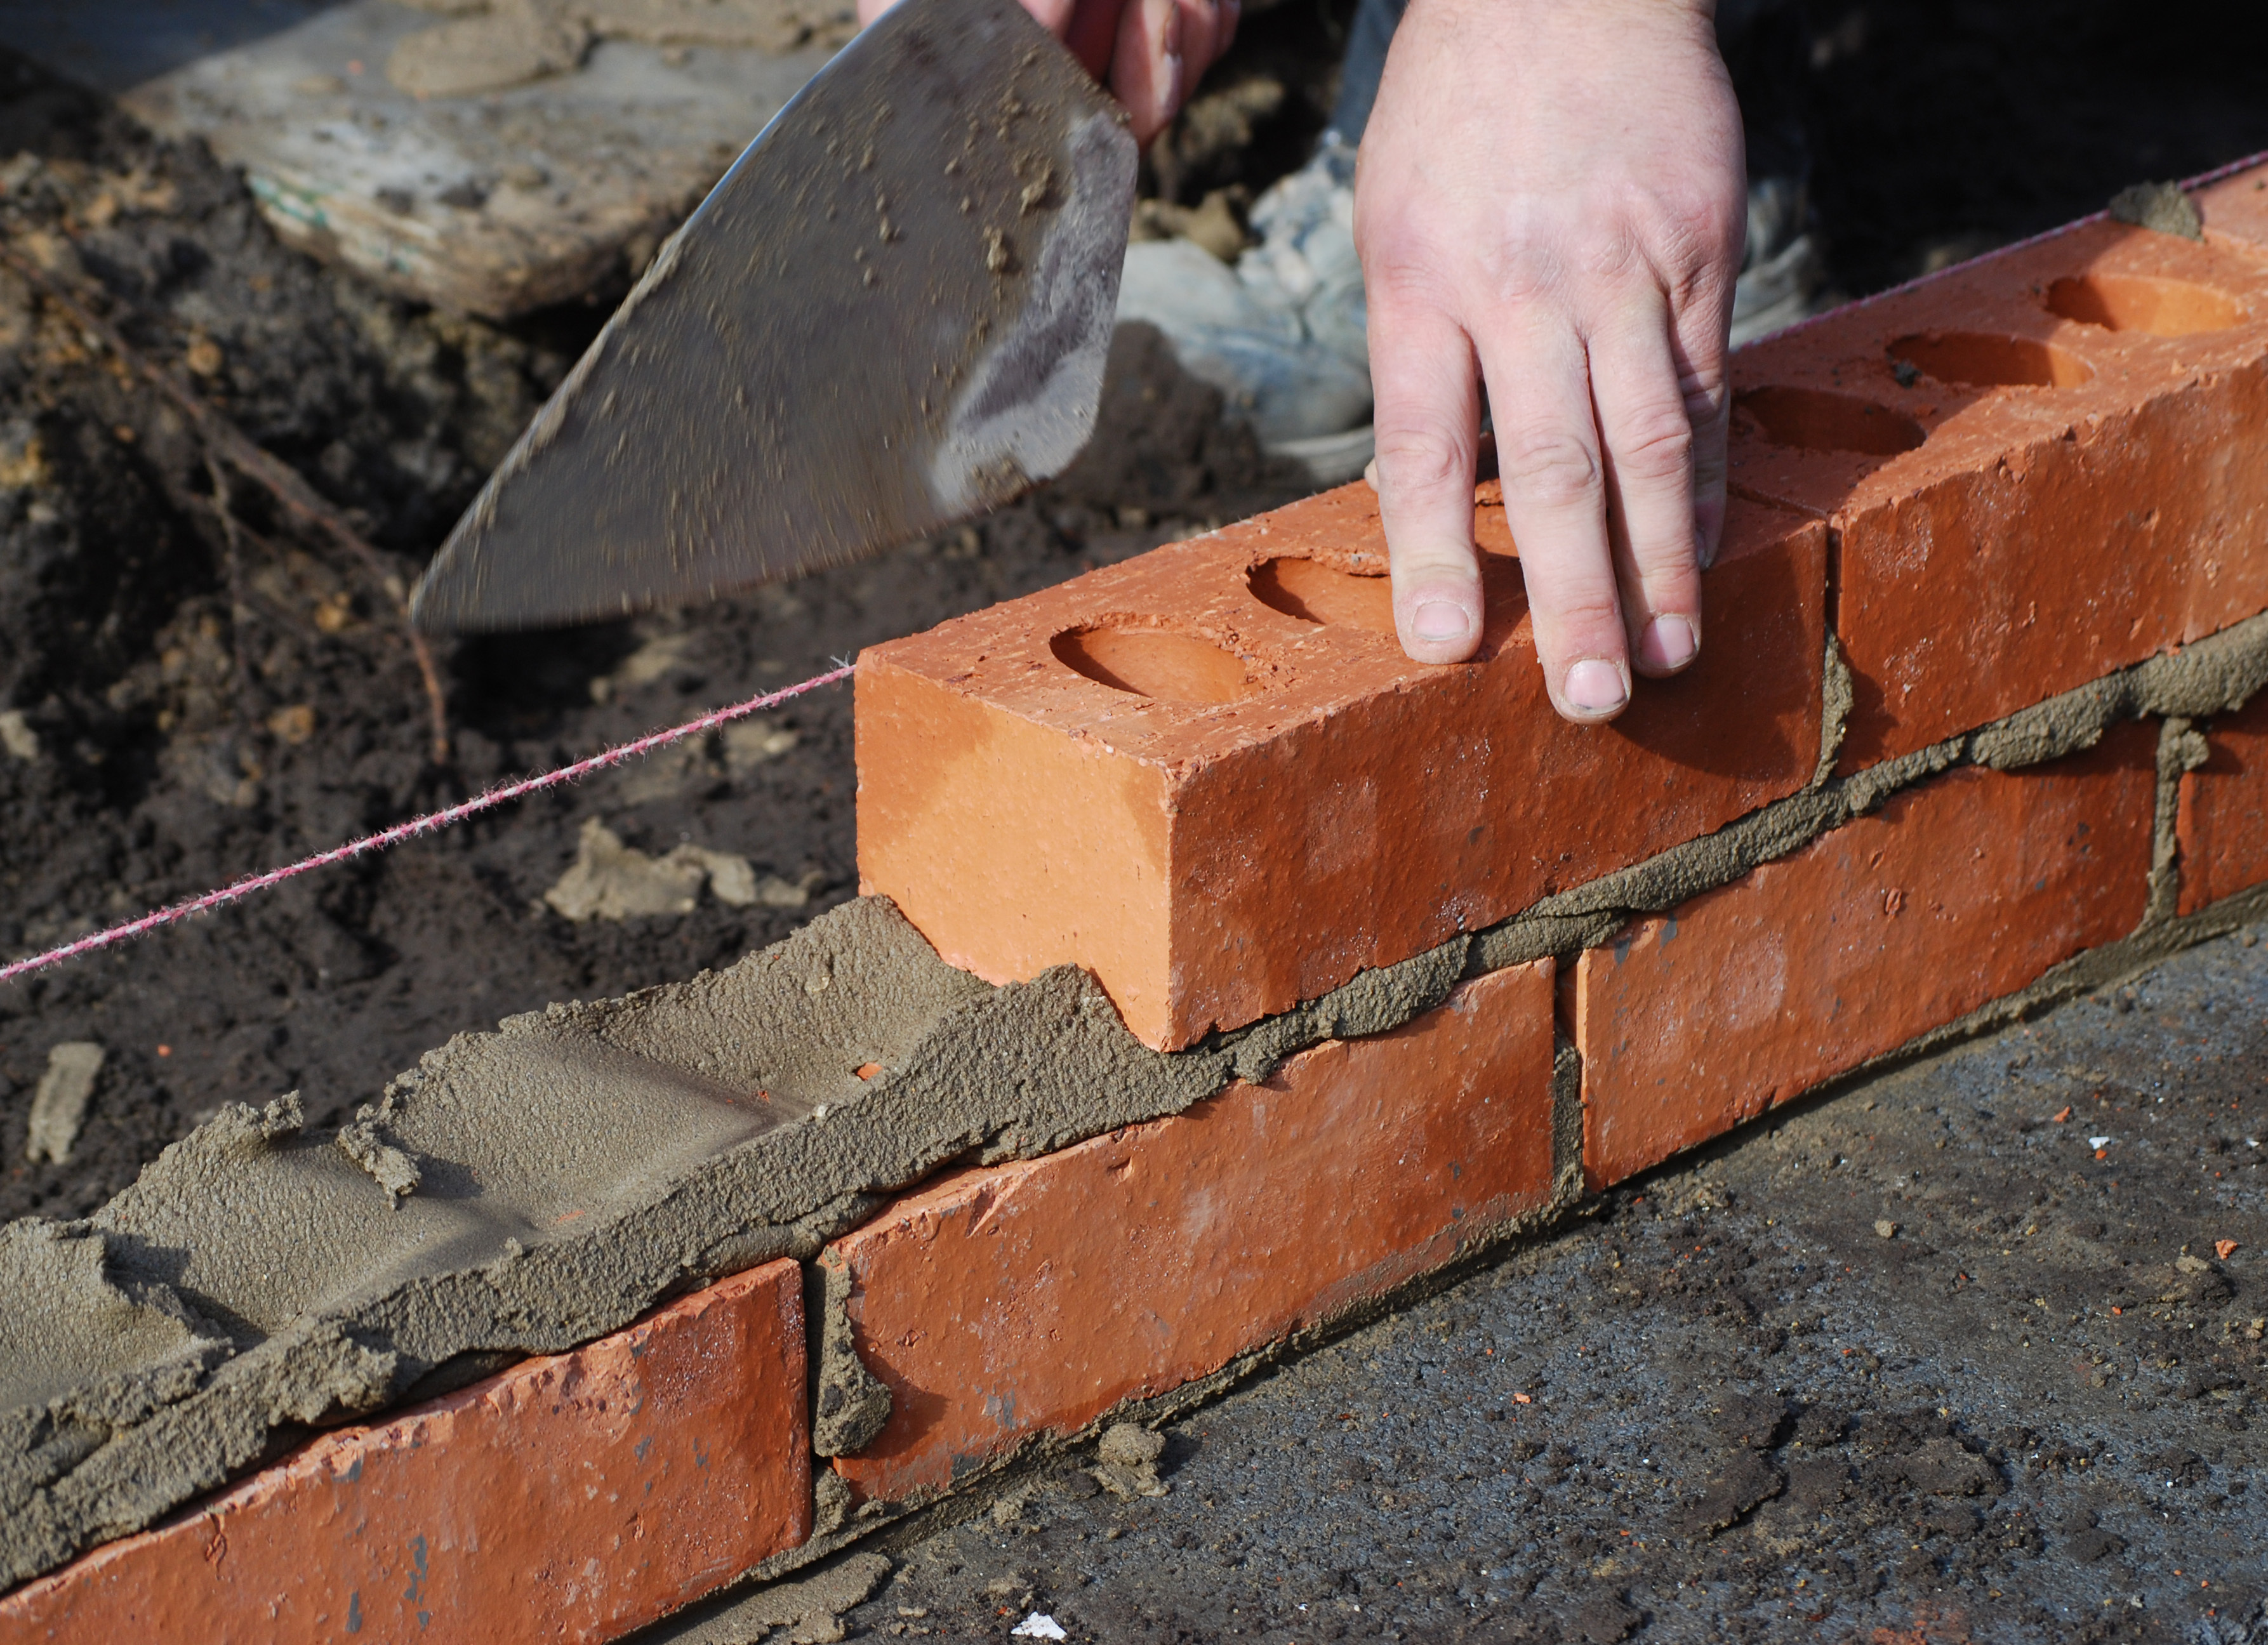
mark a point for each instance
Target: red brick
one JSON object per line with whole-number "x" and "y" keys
{"x": 1009, "y": 1300}
{"x": 2235, "y": 211}
{"x": 2222, "y": 823}
{"x": 569, "y": 1498}
{"x": 2043, "y": 533}
{"x": 1295, "y": 800}
{"x": 1950, "y": 896}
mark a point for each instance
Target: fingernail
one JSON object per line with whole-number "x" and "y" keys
{"x": 1439, "y": 620}
{"x": 1596, "y": 688}
{"x": 1669, "y": 643}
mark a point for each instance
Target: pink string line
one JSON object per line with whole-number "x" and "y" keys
{"x": 432, "y": 821}
{"x": 2203, "y": 180}
{"x": 489, "y": 799}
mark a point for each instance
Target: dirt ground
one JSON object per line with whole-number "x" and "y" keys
{"x": 190, "y": 712}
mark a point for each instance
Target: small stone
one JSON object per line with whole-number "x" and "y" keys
{"x": 1886, "y": 1228}
{"x": 753, "y": 742}
{"x": 17, "y": 737}
{"x": 611, "y": 881}
{"x": 293, "y": 725}
{"x": 59, "y": 1105}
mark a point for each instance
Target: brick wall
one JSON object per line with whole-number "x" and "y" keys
{"x": 1972, "y": 728}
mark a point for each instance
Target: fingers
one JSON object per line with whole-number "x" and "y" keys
{"x": 1555, "y": 499}
{"x": 1698, "y": 344}
{"x": 1149, "y": 52}
{"x": 1427, "y": 410}
{"x": 1647, "y": 437}
{"x": 1163, "y": 46}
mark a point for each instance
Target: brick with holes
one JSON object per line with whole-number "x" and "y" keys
{"x": 1210, "y": 776}
{"x": 2039, "y": 467}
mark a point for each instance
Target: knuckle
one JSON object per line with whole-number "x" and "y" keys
{"x": 1655, "y": 445}
{"x": 1550, "y": 465}
{"x": 1420, "y": 459}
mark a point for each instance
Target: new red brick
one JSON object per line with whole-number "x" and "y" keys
{"x": 2222, "y": 824}
{"x": 1210, "y": 776}
{"x": 2234, "y": 211}
{"x": 1008, "y": 1301}
{"x": 1950, "y": 896}
{"x": 2039, "y": 468}
{"x": 576, "y": 1497}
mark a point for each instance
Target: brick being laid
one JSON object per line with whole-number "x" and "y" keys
{"x": 1016, "y": 1300}
{"x": 2038, "y": 468}
{"x": 1952, "y": 894}
{"x": 576, "y": 1496}
{"x": 1210, "y": 776}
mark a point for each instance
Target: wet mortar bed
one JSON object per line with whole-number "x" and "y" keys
{"x": 191, "y": 719}
{"x": 1729, "y": 1406}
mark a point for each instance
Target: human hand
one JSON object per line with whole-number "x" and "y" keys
{"x": 1553, "y": 192}
{"x": 1150, "y": 53}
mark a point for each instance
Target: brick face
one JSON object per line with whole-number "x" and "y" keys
{"x": 571, "y": 1498}
{"x": 2222, "y": 823}
{"x": 2038, "y": 469}
{"x": 1213, "y": 859}
{"x": 1010, "y": 1300}
{"x": 1951, "y": 895}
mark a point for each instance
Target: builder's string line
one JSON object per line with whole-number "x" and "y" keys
{"x": 492, "y": 798}
{"x": 431, "y": 822}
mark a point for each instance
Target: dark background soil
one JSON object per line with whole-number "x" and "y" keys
{"x": 196, "y": 721}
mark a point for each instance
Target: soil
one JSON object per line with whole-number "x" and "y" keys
{"x": 186, "y": 736}
{"x": 196, "y": 713}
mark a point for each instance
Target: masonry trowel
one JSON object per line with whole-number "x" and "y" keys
{"x": 890, "y": 316}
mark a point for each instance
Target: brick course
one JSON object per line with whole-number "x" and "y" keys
{"x": 569, "y": 1498}
{"x": 2039, "y": 468}
{"x": 1951, "y": 895}
{"x": 1295, "y": 801}
{"x": 1017, "y": 1299}
{"x": 2222, "y": 824}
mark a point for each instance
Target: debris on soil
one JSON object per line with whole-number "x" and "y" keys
{"x": 750, "y": 743}
{"x": 1127, "y": 1461}
{"x": 513, "y": 43}
{"x": 59, "y": 1105}
{"x": 612, "y": 881}
{"x": 1216, "y": 225}
{"x": 810, "y": 1608}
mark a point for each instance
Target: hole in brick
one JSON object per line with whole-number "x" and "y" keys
{"x": 1315, "y": 593}
{"x": 1813, "y": 420}
{"x": 2163, "y": 308}
{"x": 1153, "y": 663}
{"x": 1977, "y": 359}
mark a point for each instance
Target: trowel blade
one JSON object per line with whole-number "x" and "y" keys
{"x": 890, "y": 316}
